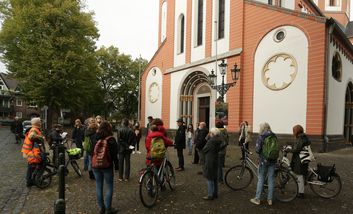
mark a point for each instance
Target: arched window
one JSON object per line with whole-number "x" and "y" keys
{"x": 337, "y": 67}
{"x": 333, "y": 3}
{"x": 348, "y": 116}
{"x": 199, "y": 22}
{"x": 181, "y": 33}
{"x": 221, "y": 16}
{"x": 164, "y": 21}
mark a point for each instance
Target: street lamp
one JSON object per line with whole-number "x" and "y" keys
{"x": 224, "y": 87}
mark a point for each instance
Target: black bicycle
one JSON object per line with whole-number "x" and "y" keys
{"x": 46, "y": 170}
{"x": 240, "y": 176}
{"x": 151, "y": 181}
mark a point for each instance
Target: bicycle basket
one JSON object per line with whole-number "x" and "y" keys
{"x": 325, "y": 172}
{"x": 74, "y": 153}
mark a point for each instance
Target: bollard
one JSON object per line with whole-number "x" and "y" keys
{"x": 59, "y": 206}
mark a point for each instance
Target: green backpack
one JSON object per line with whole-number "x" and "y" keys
{"x": 270, "y": 148}
{"x": 87, "y": 146}
{"x": 157, "y": 148}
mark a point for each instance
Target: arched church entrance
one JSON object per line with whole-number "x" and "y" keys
{"x": 195, "y": 99}
{"x": 348, "y": 115}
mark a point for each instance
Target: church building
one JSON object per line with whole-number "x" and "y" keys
{"x": 294, "y": 57}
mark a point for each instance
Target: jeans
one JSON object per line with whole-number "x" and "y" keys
{"x": 86, "y": 162}
{"x": 124, "y": 165}
{"x": 180, "y": 157}
{"x": 212, "y": 188}
{"x": 221, "y": 160}
{"x": 106, "y": 176}
{"x": 189, "y": 143}
{"x": 269, "y": 170}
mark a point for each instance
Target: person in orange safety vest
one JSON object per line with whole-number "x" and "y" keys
{"x": 31, "y": 148}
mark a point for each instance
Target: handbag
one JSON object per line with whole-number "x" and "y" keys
{"x": 306, "y": 155}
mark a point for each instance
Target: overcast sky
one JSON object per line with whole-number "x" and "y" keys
{"x": 130, "y": 25}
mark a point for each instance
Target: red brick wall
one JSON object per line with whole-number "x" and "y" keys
{"x": 255, "y": 28}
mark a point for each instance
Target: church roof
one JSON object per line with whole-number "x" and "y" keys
{"x": 349, "y": 29}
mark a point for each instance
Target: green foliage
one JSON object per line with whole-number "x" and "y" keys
{"x": 118, "y": 75}
{"x": 49, "y": 45}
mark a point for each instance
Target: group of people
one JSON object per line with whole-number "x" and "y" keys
{"x": 209, "y": 149}
{"x": 104, "y": 152}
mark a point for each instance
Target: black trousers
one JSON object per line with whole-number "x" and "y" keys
{"x": 180, "y": 157}
{"x": 196, "y": 156}
{"x": 124, "y": 165}
{"x": 30, "y": 170}
{"x": 246, "y": 145}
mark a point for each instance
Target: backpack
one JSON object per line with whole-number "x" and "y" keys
{"x": 101, "y": 157}
{"x": 270, "y": 148}
{"x": 157, "y": 148}
{"x": 87, "y": 144}
{"x": 306, "y": 155}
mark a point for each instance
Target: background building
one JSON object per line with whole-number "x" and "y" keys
{"x": 13, "y": 103}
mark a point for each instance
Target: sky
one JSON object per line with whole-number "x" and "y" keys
{"x": 130, "y": 25}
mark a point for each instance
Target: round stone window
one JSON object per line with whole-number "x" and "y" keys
{"x": 280, "y": 35}
{"x": 279, "y": 71}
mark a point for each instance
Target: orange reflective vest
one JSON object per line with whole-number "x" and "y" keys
{"x": 30, "y": 149}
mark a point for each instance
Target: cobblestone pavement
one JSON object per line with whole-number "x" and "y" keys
{"x": 187, "y": 198}
{"x": 12, "y": 173}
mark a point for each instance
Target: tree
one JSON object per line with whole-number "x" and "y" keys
{"x": 118, "y": 75}
{"x": 49, "y": 46}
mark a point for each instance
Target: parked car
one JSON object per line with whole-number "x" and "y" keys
{"x": 26, "y": 125}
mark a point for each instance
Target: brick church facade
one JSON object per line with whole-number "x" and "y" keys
{"x": 295, "y": 59}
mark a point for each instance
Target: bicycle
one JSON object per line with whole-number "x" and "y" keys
{"x": 46, "y": 170}
{"x": 328, "y": 188}
{"x": 240, "y": 177}
{"x": 152, "y": 180}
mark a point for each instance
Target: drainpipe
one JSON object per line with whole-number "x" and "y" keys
{"x": 326, "y": 92}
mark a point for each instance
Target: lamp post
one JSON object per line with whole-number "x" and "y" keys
{"x": 224, "y": 87}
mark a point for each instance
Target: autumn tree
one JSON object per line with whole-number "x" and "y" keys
{"x": 49, "y": 47}
{"x": 119, "y": 80}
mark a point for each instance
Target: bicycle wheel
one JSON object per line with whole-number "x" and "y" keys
{"x": 325, "y": 189}
{"x": 170, "y": 175}
{"x": 286, "y": 186}
{"x": 42, "y": 178}
{"x": 148, "y": 189}
{"x": 238, "y": 177}
{"x": 76, "y": 167}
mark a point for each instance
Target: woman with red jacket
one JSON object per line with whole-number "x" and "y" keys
{"x": 157, "y": 130}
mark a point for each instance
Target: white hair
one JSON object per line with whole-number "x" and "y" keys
{"x": 35, "y": 120}
{"x": 264, "y": 127}
{"x": 215, "y": 131}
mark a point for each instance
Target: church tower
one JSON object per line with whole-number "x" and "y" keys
{"x": 337, "y": 9}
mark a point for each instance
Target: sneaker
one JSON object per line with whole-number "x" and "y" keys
{"x": 102, "y": 211}
{"x": 269, "y": 202}
{"x": 133, "y": 152}
{"x": 138, "y": 152}
{"x": 300, "y": 195}
{"x": 120, "y": 179}
{"x": 255, "y": 201}
{"x": 207, "y": 198}
{"x": 180, "y": 169}
{"x": 111, "y": 211}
